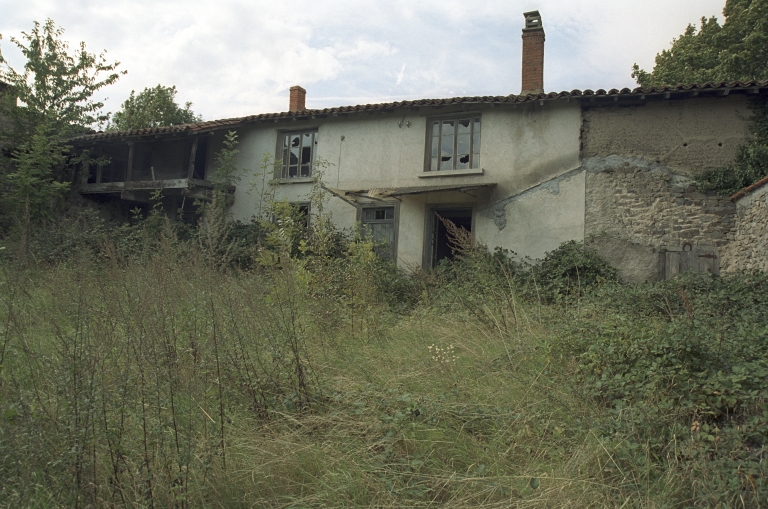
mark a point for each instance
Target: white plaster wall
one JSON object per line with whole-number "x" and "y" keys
{"x": 520, "y": 148}
{"x": 540, "y": 220}
{"x": 255, "y": 142}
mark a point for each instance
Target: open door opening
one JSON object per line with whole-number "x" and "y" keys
{"x": 439, "y": 245}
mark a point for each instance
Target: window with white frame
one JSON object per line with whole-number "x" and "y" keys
{"x": 297, "y": 152}
{"x": 454, "y": 143}
{"x": 378, "y": 224}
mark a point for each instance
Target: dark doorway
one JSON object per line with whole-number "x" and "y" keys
{"x": 440, "y": 246}
{"x": 201, "y": 156}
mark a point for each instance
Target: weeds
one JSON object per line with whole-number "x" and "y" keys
{"x": 282, "y": 364}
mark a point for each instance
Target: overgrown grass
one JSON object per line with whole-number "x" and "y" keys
{"x": 324, "y": 377}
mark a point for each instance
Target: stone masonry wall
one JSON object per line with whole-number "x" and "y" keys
{"x": 635, "y": 207}
{"x": 749, "y": 248}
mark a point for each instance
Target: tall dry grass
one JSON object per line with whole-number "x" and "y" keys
{"x": 171, "y": 381}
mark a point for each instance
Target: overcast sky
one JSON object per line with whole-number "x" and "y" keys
{"x": 234, "y": 58}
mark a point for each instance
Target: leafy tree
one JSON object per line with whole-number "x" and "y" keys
{"x": 154, "y": 107}
{"x": 735, "y": 50}
{"x": 47, "y": 102}
{"x": 55, "y": 87}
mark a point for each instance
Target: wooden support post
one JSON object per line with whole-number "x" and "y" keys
{"x": 129, "y": 166}
{"x": 97, "y": 153}
{"x": 192, "y": 154}
{"x": 85, "y": 170}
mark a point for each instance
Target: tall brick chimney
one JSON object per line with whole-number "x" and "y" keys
{"x": 533, "y": 54}
{"x": 298, "y": 99}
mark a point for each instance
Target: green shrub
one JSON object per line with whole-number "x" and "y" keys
{"x": 568, "y": 272}
{"x": 686, "y": 362}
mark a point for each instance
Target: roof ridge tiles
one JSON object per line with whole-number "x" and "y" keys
{"x": 511, "y": 98}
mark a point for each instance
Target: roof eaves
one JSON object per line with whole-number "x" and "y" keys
{"x": 591, "y": 95}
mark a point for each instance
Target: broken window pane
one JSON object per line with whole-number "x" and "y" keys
{"x": 459, "y": 144}
{"x": 306, "y": 155}
{"x": 447, "y": 145}
{"x": 476, "y": 151}
{"x": 298, "y": 154}
{"x": 462, "y": 144}
{"x": 447, "y": 148}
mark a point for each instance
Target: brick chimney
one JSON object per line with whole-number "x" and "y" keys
{"x": 298, "y": 99}
{"x": 533, "y": 54}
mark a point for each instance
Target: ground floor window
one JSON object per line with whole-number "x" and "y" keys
{"x": 378, "y": 224}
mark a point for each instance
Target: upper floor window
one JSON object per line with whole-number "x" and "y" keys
{"x": 298, "y": 151}
{"x": 454, "y": 143}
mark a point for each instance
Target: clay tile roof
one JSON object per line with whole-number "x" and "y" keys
{"x": 363, "y": 108}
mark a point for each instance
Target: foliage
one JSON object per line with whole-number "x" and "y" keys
{"x": 225, "y": 172}
{"x": 55, "y": 87}
{"x": 684, "y": 358}
{"x": 173, "y": 377}
{"x": 32, "y": 188}
{"x": 751, "y": 163}
{"x": 481, "y": 284}
{"x": 167, "y": 384}
{"x": 735, "y": 50}
{"x": 213, "y": 232}
{"x": 568, "y": 272}
{"x": 145, "y": 410}
{"x": 55, "y": 93}
{"x": 153, "y": 107}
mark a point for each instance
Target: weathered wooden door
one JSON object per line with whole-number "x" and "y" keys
{"x": 688, "y": 258}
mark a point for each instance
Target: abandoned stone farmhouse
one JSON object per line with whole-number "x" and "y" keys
{"x": 523, "y": 172}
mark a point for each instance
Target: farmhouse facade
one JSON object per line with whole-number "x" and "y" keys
{"x": 523, "y": 172}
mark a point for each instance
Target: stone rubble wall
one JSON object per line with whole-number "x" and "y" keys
{"x": 749, "y": 248}
{"x": 635, "y": 208}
